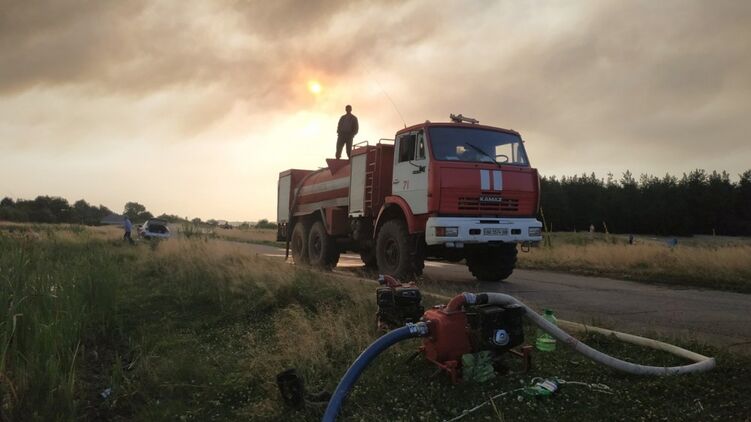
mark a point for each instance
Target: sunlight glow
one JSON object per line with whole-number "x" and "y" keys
{"x": 314, "y": 87}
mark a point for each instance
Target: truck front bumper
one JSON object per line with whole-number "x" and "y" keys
{"x": 456, "y": 231}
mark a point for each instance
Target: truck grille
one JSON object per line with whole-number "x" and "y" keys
{"x": 474, "y": 204}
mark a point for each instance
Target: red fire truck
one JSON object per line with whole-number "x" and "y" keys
{"x": 454, "y": 191}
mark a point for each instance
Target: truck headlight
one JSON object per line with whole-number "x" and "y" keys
{"x": 447, "y": 231}
{"x": 535, "y": 231}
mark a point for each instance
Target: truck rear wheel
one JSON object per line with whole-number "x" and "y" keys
{"x": 396, "y": 253}
{"x": 493, "y": 263}
{"x": 299, "y": 243}
{"x": 322, "y": 249}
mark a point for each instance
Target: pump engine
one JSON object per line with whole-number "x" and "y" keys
{"x": 398, "y": 304}
{"x": 456, "y": 329}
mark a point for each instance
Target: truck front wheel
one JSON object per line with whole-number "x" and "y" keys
{"x": 492, "y": 263}
{"x": 322, "y": 249}
{"x": 299, "y": 243}
{"x": 368, "y": 257}
{"x": 396, "y": 254}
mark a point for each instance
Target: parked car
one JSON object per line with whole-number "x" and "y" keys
{"x": 154, "y": 229}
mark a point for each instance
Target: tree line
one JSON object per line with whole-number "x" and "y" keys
{"x": 696, "y": 203}
{"x": 53, "y": 209}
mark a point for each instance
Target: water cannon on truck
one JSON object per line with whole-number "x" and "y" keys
{"x": 453, "y": 190}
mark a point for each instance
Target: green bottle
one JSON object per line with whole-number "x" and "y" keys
{"x": 545, "y": 342}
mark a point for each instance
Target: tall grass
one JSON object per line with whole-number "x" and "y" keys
{"x": 197, "y": 330}
{"x": 213, "y": 317}
{"x": 253, "y": 235}
{"x": 190, "y": 230}
{"x": 726, "y": 267}
{"x": 57, "y": 296}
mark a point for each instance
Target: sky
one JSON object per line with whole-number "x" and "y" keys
{"x": 193, "y": 107}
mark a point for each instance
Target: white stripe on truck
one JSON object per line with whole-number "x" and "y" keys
{"x": 484, "y": 179}
{"x": 497, "y": 180}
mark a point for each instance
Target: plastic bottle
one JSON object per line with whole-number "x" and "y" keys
{"x": 542, "y": 388}
{"x": 545, "y": 342}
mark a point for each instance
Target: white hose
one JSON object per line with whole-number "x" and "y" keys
{"x": 703, "y": 363}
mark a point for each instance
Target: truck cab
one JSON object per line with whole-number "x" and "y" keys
{"x": 474, "y": 188}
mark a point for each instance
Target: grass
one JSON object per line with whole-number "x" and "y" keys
{"x": 722, "y": 263}
{"x": 197, "y": 330}
{"x": 253, "y": 235}
{"x": 715, "y": 265}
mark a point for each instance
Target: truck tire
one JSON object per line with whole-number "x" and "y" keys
{"x": 493, "y": 263}
{"x": 322, "y": 249}
{"x": 299, "y": 243}
{"x": 396, "y": 252}
{"x": 368, "y": 257}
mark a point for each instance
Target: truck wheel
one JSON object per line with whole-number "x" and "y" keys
{"x": 395, "y": 252}
{"x": 299, "y": 243}
{"x": 493, "y": 263}
{"x": 368, "y": 255}
{"x": 322, "y": 249}
{"x": 369, "y": 258}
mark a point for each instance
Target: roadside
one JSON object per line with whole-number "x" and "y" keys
{"x": 690, "y": 314}
{"x": 196, "y": 329}
{"x": 712, "y": 265}
{"x": 711, "y": 262}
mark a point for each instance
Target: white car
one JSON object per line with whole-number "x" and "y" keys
{"x": 154, "y": 229}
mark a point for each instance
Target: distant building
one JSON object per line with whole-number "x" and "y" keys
{"x": 112, "y": 219}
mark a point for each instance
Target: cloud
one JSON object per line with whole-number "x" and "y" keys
{"x": 636, "y": 77}
{"x": 651, "y": 86}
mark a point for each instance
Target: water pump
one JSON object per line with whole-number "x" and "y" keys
{"x": 456, "y": 329}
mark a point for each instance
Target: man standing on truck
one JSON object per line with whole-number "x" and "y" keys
{"x": 346, "y": 131}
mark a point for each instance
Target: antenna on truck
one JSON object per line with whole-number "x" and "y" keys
{"x": 386, "y": 94}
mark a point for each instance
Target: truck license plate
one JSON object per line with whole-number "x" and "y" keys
{"x": 494, "y": 231}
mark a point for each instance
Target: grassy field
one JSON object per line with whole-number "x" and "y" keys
{"x": 197, "y": 329}
{"x": 259, "y": 236}
{"x": 715, "y": 263}
{"x": 722, "y": 263}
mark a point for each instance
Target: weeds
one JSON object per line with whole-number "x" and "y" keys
{"x": 58, "y": 297}
{"x": 719, "y": 267}
{"x": 197, "y": 330}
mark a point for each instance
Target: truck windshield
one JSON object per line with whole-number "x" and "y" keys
{"x": 477, "y": 145}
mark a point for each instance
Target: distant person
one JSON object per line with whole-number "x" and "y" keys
{"x": 346, "y": 131}
{"x": 128, "y": 228}
{"x": 631, "y": 239}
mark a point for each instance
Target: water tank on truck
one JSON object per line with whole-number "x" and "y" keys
{"x": 456, "y": 191}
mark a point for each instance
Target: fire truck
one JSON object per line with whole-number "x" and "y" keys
{"x": 452, "y": 191}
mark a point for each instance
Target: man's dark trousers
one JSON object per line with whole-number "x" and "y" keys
{"x": 340, "y": 142}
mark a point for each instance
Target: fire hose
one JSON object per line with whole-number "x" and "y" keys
{"x": 702, "y": 363}
{"x": 353, "y": 373}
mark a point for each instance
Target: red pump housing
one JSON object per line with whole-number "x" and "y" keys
{"x": 447, "y": 341}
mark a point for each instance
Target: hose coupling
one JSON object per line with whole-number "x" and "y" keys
{"x": 470, "y": 298}
{"x": 419, "y": 328}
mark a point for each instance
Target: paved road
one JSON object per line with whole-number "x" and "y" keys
{"x": 723, "y": 318}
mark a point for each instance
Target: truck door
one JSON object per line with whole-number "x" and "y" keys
{"x": 411, "y": 171}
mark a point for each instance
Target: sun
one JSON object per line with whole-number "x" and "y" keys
{"x": 314, "y": 87}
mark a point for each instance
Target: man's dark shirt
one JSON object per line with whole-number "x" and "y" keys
{"x": 348, "y": 126}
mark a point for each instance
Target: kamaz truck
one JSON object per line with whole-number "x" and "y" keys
{"x": 451, "y": 191}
